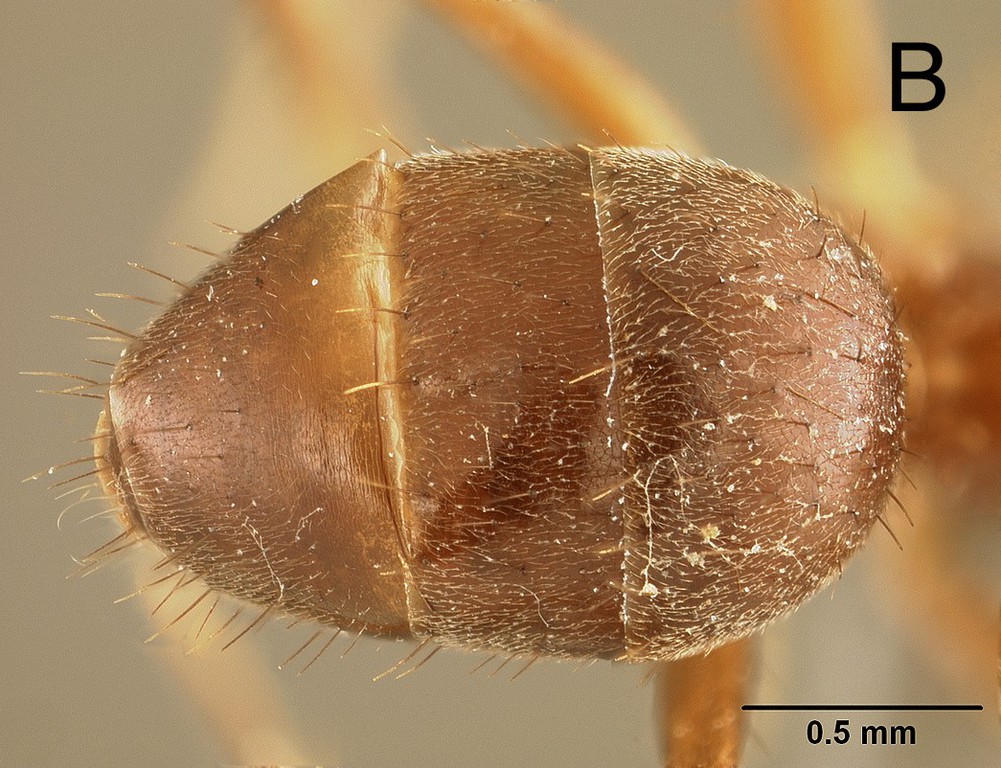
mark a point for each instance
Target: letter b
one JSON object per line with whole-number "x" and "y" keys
{"x": 925, "y": 74}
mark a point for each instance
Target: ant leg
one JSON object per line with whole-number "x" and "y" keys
{"x": 334, "y": 92}
{"x": 699, "y": 699}
{"x": 832, "y": 65}
{"x": 233, "y": 691}
{"x": 571, "y": 71}
{"x": 951, "y": 609}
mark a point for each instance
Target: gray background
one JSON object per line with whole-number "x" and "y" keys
{"x": 121, "y": 130}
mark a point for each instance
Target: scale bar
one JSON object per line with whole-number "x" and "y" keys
{"x": 863, "y": 707}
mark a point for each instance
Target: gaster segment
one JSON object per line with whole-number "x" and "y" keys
{"x": 606, "y": 402}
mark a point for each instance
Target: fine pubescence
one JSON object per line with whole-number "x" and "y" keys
{"x": 607, "y": 402}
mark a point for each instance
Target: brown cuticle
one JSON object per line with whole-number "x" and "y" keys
{"x": 479, "y": 492}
